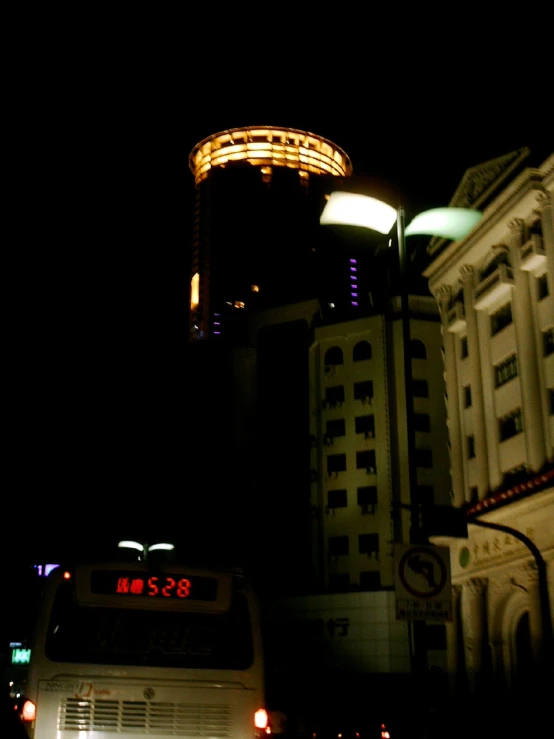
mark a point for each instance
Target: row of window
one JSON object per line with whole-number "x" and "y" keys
{"x": 503, "y": 372}
{"x": 362, "y": 350}
{"x": 365, "y": 460}
{"x": 363, "y": 425}
{"x": 366, "y": 425}
{"x": 339, "y": 546}
{"x": 367, "y": 496}
{"x": 509, "y": 425}
{"x": 503, "y": 318}
{"x": 335, "y": 396}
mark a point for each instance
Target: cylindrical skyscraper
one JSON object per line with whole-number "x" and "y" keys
{"x": 259, "y": 195}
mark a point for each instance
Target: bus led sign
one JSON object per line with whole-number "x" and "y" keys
{"x": 153, "y": 585}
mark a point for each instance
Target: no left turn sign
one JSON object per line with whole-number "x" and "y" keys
{"x": 422, "y": 583}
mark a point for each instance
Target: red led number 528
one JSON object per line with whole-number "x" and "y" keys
{"x": 180, "y": 588}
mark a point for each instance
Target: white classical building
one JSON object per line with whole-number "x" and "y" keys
{"x": 496, "y": 295}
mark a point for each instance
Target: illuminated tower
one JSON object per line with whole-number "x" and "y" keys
{"x": 259, "y": 193}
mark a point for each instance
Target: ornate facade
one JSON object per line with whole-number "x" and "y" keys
{"x": 495, "y": 290}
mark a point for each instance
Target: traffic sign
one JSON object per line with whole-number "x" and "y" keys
{"x": 422, "y": 583}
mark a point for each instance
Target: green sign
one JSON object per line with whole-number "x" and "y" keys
{"x": 21, "y": 656}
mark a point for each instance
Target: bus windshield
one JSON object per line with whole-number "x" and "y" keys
{"x": 120, "y": 636}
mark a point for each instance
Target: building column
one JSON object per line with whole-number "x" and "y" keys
{"x": 531, "y": 579}
{"x": 453, "y": 406}
{"x": 474, "y": 630}
{"x": 530, "y": 382}
{"x": 453, "y": 642}
{"x": 488, "y": 476}
{"x": 546, "y": 210}
{"x": 498, "y": 666}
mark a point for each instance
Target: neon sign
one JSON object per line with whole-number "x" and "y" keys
{"x": 21, "y": 656}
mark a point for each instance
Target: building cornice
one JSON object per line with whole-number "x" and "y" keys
{"x": 529, "y": 181}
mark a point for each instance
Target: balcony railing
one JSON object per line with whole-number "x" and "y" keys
{"x": 494, "y": 288}
{"x": 456, "y": 318}
{"x": 532, "y": 253}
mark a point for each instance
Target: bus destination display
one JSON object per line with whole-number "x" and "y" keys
{"x": 153, "y": 585}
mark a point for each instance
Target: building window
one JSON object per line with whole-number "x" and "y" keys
{"x": 420, "y": 389}
{"x": 370, "y": 581}
{"x": 422, "y": 422}
{"x": 467, "y": 396}
{"x": 551, "y": 400}
{"x": 334, "y": 395}
{"x": 417, "y": 349}
{"x": 505, "y": 371}
{"x": 471, "y": 446}
{"x": 334, "y": 356}
{"x": 338, "y": 546}
{"x": 339, "y": 582}
{"x": 463, "y": 347}
{"x": 363, "y": 391}
{"x": 423, "y": 458}
{"x": 510, "y": 424}
{"x": 362, "y": 350}
{"x": 548, "y": 341}
{"x": 366, "y": 461}
{"x": 367, "y": 495}
{"x": 365, "y": 425}
{"x": 334, "y": 429}
{"x": 542, "y": 287}
{"x": 368, "y": 544}
{"x": 336, "y": 499}
{"x": 501, "y": 319}
{"x": 336, "y": 463}
{"x": 424, "y": 495}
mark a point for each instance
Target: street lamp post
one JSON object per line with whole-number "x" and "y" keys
{"x": 354, "y": 209}
{"x": 343, "y": 208}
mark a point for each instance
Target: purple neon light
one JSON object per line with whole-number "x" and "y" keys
{"x": 353, "y": 269}
{"x": 353, "y": 277}
{"x": 354, "y": 295}
{"x": 352, "y": 261}
{"x": 217, "y": 323}
{"x": 354, "y": 303}
{"x": 217, "y": 333}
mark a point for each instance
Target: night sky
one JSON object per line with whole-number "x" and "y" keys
{"x": 100, "y": 214}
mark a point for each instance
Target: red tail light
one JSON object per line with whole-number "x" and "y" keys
{"x": 261, "y": 719}
{"x": 29, "y": 711}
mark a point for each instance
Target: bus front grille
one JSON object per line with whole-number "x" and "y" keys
{"x": 141, "y": 717}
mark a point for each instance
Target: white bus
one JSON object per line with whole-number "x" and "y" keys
{"x": 136, "y": 650}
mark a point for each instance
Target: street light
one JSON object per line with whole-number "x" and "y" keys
{"x": 353, "y": 209}
{"x": 145, "y": 549}
{"x": 349, "y": 209}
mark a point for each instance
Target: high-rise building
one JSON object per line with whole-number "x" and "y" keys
{"x": 256, "y": 218}
{"x": 495, "y": 289}
{"x": 358, "y": 434}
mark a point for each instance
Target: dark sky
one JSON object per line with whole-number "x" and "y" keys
{"x": 99, "y": 229}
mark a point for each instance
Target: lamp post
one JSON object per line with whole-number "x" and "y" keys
{"x": 349, "y": 209}
{"x": 353, "y": 209}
